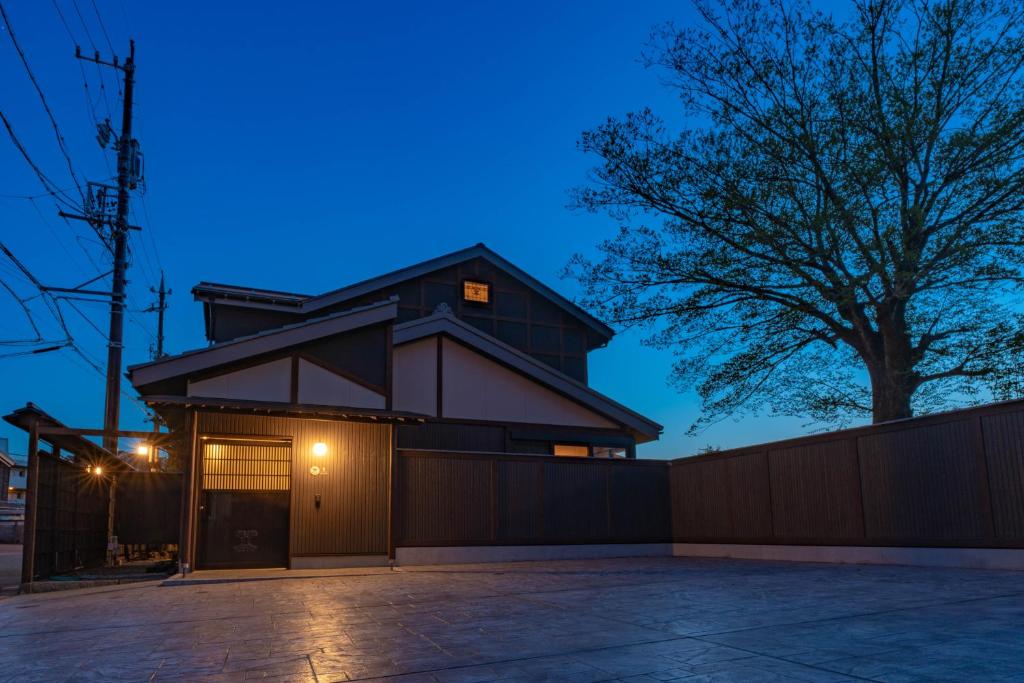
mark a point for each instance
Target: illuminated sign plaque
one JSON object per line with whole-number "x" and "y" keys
{"x": 476, "y": 292}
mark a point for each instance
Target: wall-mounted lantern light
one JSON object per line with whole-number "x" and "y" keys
{"x": 97, "y": 470}
{"x": 319, "y": 449}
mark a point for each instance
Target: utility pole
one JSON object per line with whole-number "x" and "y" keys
{"x": 159, "y": 307}
{"x": 127, "y": 176}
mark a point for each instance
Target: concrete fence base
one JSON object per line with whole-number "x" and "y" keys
{"x": 525, "y": 553}
{"x": 969, "y": 558}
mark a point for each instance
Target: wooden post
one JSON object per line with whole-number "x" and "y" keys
{"x": 187, "y": 498}
{"x": 28, "y": 548}
{"x": 392, "y": 469}
{"x": 111, "y": 510}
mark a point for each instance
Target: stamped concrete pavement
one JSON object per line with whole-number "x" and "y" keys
{"x": 582, "y": 621}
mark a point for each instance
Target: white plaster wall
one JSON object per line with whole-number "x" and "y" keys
{"x": 414, "y": 370}
{"x": 318, "y": 386}
{"x": 268, "y": 382}
{"x": 479, "y": 389}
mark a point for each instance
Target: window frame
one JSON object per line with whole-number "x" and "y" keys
{"x": 470, "y": 302}
{"x": 571, "y": 444}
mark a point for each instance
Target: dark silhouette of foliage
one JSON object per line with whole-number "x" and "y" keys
{"x": 838, "y": 232}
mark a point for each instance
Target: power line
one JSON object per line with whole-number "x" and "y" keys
{"x": 51, "y": 187}
{"x": 27, "y": 311}
{"x": 92, "y": 43}
{"x": 102, "y": 26}
{"x": 53, "y": 305}
{"x": 42, "y": 98}
{"x": 149, "y": 232}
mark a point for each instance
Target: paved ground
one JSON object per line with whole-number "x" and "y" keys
{"x": 637, "y": 620}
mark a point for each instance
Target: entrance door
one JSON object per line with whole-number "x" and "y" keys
{"x": 245, "y": 504}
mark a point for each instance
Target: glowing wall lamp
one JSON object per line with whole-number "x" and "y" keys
{"x": 97, "y": 470}
{"x": 319, "y": 449}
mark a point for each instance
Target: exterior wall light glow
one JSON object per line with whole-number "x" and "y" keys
{"x": 319, "y": 449}
{"x": 97, "y": 470}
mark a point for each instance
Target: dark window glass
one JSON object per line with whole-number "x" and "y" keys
{"x": 513, "y": 334}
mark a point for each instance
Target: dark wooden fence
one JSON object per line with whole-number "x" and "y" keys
{"x": 451, "y": 499}
{"x": 73, "y": 513}
{"x": 71, "y": 520}
{"x": 148, "y": 508}
{"x": 952, "y": 479}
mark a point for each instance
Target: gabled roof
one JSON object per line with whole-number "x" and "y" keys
{"x": 448, "y": 324}
{"x": 300, "y": 303}
{"x": 262, "y": 342}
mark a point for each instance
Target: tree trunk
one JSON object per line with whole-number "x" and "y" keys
{"x": 890, "y": 397}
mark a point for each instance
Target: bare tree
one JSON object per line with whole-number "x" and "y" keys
{"x": 839, "y": 230}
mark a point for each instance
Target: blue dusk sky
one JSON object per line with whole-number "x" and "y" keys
{"x": 305, "y": 146}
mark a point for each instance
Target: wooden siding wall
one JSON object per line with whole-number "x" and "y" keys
{"x": 353, "y": 512}
{"x": 517, "y": 315}
{"x": 148, "y": 508}
{"x": 71, "y": 519}
{"x": 955, "y": 479}
{"x": 496, "y": 499}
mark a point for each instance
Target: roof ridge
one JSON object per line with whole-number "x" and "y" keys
{"x": 306, "y": 303}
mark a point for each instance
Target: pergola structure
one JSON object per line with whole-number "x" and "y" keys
{"x": 44, "y": 428}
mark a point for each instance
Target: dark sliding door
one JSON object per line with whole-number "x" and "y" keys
{"x": 245, "y": 504}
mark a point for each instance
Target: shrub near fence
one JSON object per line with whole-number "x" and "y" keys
{"x": 948, "y": 480}
{"x": 459, "y": 499}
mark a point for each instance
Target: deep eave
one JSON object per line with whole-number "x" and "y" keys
{"x": 307, "y": 411}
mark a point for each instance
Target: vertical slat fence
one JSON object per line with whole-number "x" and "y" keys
{"x": 453, "y": 499}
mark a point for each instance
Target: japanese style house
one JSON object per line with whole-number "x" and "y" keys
{"x": 294, "y": 412}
